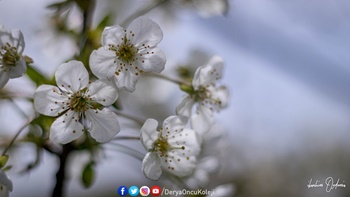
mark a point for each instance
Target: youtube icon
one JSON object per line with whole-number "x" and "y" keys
{"x": 156, "y": 191}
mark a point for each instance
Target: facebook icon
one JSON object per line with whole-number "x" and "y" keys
{"x": 123, "y": 191}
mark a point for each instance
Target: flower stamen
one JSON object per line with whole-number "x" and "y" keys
{"x": 9, "y": 56}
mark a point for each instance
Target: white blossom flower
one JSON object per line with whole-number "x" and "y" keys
{"x": 208, "y": 96}
{"x": 76, "y": 102}
{"x": 172, "y": 148}
{"x": 6, "y": 185}
{"x": 12, "y": 63}
{"x": 125, "y": 54}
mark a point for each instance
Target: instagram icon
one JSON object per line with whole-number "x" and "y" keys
{"x": 144, "y": 191}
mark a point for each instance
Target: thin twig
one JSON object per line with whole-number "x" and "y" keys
{"x": 11, "y": 96}
{"x": 128, "y": 116}
{"x": 59, "y": 189}
{"x": 87, "y": 15}
{"x": 17, "y": 134}
{"x": 18, "y": 108}
{"x": 129, "y": 151}
{"x": 126, "y": 138}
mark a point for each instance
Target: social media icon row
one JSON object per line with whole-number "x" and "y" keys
{"x": 143, "y": 191}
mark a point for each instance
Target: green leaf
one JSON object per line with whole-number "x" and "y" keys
{"x": 3, "y": 160}
{"x": 7, "y": 168}
{"x": 36, "y": 76}
{"x": 88, "y": 175}
{"x": 106, "y": 21}
{"x": 187, "y": 88}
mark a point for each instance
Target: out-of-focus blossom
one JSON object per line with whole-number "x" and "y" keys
{"x": 12, "y": 63}
{"x": 226, "y": 190}
{"x": 206, "y": 94}
{"x": 214, "y": 149}
{"x": 206, "y": 8}
{"x": 6, "y": 185}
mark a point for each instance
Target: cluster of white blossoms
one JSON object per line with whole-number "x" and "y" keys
{"x": 173, "y": 147}
{"x": 12, "y": 63}
{"x": 85, "y": 109}
{"x": 77, "y": 103}
{"x": 81, "y": 106}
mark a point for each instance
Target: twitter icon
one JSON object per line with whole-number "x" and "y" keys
{"x": 133, "y": 191}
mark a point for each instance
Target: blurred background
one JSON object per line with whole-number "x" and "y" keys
{"x": 287, "y": 68}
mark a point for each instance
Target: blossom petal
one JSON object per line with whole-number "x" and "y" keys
{"x": 149, "y": 133}
{"x": 4, "y": 78}
{"x": 112, "y": 36}
{"x": 18, "y": 40}
{"x": 187, "y": 138}
{"x": 145, "y": 32}
{"x": 126, "y": 79}
{"x": 48, "y": 100}
{"x": 151, "y": 166}
{"x": 202, "y": 120}
{"x": 12, "y": 37}
{"x": 174, "y": 124}
{"x": 19, "y": 69}
{"x": 181, "y": 168}
{"x": 152, "y": 60}
{"x": 208, "y": 74}
{"x": 5, "y": 181}
{"x": 66, "y": 128}
{"x": 182, "y": 160}
{"x": 104, "y": 124}
{"x": 102, "y": 63}
{"x": 185, "y": 107}
{"x": 221, "y": 94}
{"x": 103, "y": 92}
{"x": 72, "y": 76}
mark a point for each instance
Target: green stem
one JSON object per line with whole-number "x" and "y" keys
{"x": 160, "y": 76}
{"x": 126, "y": 138}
